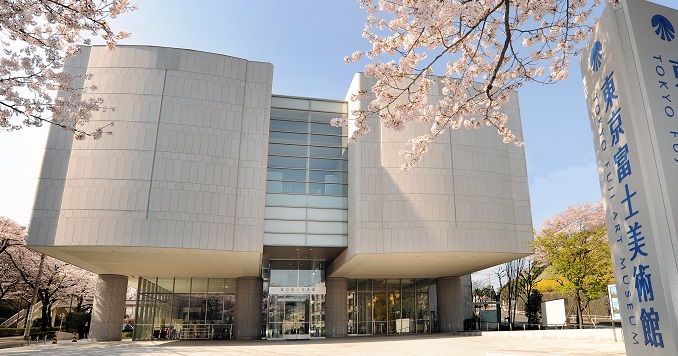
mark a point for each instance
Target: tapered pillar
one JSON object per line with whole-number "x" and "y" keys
{"x": 336, "y": 309}
{"x": 108, "y": 309}
{"x": 247, "y": 318}
{"x": 452, "y": 293}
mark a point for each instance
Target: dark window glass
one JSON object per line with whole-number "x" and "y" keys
{"x": 326, "y": 128}
{"x": 321, "y": 140}
{"x": 287, "y": 150}
{"x": 286, "y": 162}
{"x": 324, "y": 116}
{"x": 285, "y": 187}
{"x": 286, "y": 174}
{"x": 326, "y": 164}
{"x": 327, "y": 152}
{"x": 296, "y": 115}
{"x": 328, "y": 177}
{"x": 285, "y": 137}
{"x": 278, "y": 125}
{"x": 327, "y": 189}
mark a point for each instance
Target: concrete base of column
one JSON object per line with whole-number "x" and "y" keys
{"x": 452, "y": 294}
{"x": 336, "y": 309}
{"x": 247, "y": 318}
{"x": 108, "y": 309}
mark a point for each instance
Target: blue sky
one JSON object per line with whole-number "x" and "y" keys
{"x": 306, "y": 40}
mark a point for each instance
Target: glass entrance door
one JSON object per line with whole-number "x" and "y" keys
{"x": 296, "y": 300}
{"x": 289, "y": 316}
{"x": 295, "y": 323}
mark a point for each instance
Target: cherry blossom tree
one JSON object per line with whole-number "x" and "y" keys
{"x": 480, "y": 50}
{"x": 11, "y": 234}
{"x": 574, "y": 244}
{"x": 36, "y": 37}
{"x": 59, "y": 280}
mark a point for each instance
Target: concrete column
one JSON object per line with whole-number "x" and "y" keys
{"x": 452, "y": 293}
{"x": 108, "y": 309}
{"x": 247, "y": 318}
{"x": 336, "y": 309}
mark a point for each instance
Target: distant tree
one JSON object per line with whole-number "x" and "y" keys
{"x": 483, "y": 294}
{"x": 509, "y": 292}
{"x": 482, "y": 50}
{"x": 528, "y": 279}
{"x": 533, "y": 307}
{"x": 574, "y": 244}
{"x": 36, "y": 37}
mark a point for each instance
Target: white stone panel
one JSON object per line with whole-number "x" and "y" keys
{"x": 185, "y": 167}
{"x": 468, "y": 194}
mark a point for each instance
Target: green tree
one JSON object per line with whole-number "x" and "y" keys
{"x": 575, "y": 246}
{"x": 533, "y": 307}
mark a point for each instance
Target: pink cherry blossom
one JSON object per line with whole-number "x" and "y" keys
{"x": 491, "y": 47}
{"x": 36, "y": 36}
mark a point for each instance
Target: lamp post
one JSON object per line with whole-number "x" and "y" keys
{"x": 62, "y": 316}
{"x": 29, "y": 320}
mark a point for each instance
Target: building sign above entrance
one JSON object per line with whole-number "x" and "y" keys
{"x": 296, "y": 290}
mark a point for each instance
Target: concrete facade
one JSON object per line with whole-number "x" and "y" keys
{"x": 464, "y": 207}
{"x": 452, "y": 295}
{"x": 335, "y": 312}
{"x": 178, "y": 196}
{"x": 185, "y": 169}
{"x": 248, "y": 308}
{"x": 108, "y": 308}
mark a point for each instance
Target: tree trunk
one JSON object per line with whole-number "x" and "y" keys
{"x": 44, "y": 295}
{"x": 579, "y": 313}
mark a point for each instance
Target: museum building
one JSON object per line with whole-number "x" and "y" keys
{"x": 237, "y": 213}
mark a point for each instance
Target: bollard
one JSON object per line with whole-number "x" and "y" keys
{"x": 54, "y": 341}
{"x": 75, "y": 338}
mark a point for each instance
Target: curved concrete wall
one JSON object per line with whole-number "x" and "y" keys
{"x": 186, "y": 166}
{"x": 466, "y": 202}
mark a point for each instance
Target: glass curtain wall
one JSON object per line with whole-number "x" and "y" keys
{"x": 184, "y": 308}
{"x": 306, "y": 187}
{"x": 388, "y": 306}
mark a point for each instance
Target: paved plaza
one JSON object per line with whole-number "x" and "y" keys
{"x": 438, "y": 344}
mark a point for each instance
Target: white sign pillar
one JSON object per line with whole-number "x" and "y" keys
{"x": 630, "y": 71}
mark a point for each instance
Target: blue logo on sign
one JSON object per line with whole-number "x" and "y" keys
{"x": 663, "y": 28}
{"x": 596, "y": 56}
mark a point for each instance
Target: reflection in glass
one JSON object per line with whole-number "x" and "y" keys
{"x": 287, "y": 150}
{"x": 326, "y": 128}
{"x": 286, "y": 174}
{"x": 322, "y": 140}
{"x": 388, "y": 306}
{"x": 206, "y": 312}
{"x": 306, "y": 164}
{"x": 296, "y": 315}
{"x": 286, "y": 137}
{"x": 290, "y": 103}
{"x": 326, "y": 152}
{"x": 286, "y": 162}
{"x": 290, "y": 126}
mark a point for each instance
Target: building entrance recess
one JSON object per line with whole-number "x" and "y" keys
{"x": 296, "y": 300}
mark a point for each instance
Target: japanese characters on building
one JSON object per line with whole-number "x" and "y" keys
{"x": 633, "y": 123}
{"x": 297, "y": 290}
